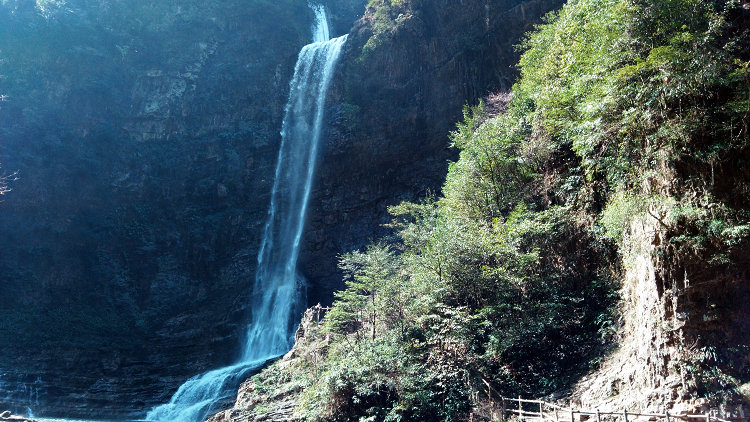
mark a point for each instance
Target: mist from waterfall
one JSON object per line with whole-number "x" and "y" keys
{"x": 278, "y": 290}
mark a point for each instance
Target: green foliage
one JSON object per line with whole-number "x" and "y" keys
{"x": 647, "y": 94}
{"x": 625, "y": 109}
{"x": 434, "y": 392}
{"x": 422, "y": 321}
{"x": 490, "y": 178}
{"x": 630, "y": 84}
{"x": 386, "y": 18}
{"x": 372, "y": 295}
{"x": 619, "y": 213}
{"x": 384, "y": 14}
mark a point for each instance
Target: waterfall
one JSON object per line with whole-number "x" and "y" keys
{"x": 277, "y": 293}
{"x": 320, "y": 27}
{"x": 276, "y": 278}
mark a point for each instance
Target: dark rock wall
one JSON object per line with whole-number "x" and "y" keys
{"x": 145, "y": 134}
{"x": 398, "y": 95}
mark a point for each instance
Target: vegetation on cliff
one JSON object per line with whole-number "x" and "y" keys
{"x": 623, "y": 108}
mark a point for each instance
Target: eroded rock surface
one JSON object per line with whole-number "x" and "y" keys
{"x": 273, "y": 395}
{"x": 684, "y": 333}
{"x": 145, "y": 135}
{"x": 397, "y": 97}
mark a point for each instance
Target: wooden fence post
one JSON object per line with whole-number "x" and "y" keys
{"x": 489, "y": 399}
{"x": 541, "y": 410}
{"x": 709, "y": 415}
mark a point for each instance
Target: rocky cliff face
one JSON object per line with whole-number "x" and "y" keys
{"x": 255, "y": 402}
{"x": 145, "y": 136}
{"x": 683, "y": 345}
{"x": 407, "y": 72}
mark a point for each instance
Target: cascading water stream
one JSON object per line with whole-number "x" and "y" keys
{"x": 277, "y": 259}
{"x": 277, "y": 292}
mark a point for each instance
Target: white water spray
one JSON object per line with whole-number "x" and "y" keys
{"x": 277, "y": 292}
{"x": 320, "y": 27}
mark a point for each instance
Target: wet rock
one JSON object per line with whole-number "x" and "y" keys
{"x": 132, "y": 236}
{"x": 278, "y": 400}
{"x": 8, "y": 416}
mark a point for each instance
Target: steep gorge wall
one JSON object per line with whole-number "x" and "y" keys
{"x": 641, "y": 372}
{"x": 145, "y": 135}
{"x": 683, "y": 341}
{"x": 400, "y": 91}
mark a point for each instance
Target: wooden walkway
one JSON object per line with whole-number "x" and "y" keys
{"x": 541, "y": 411}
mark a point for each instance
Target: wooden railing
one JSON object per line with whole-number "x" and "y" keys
{"x": 538, "y": 410}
